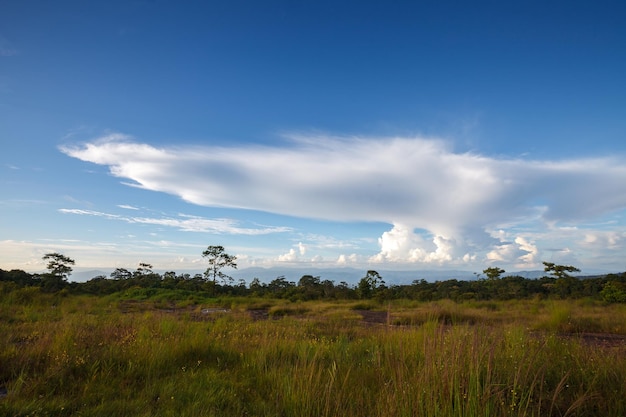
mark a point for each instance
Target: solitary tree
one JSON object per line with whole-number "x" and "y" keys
{"x": 565, "y": 284}
{"x": 143, "y": 270}
{"x": 60, "y": 269}
{"x": 371, "y": 282}
{"x": 218, "y": 259}
{"x": 144, "y": 276}
{"x": 559, "y": 271}
{"x": 58, "y": 265}
{"x": 493, "y": 273}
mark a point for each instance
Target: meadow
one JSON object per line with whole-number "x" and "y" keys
{"x": 83, "y": 355}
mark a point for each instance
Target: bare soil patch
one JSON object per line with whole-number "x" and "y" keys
{"x": 259, "y": 314}
{"x": 601, "y": 340}
{"x": 369, "y": 318}
{"x": 373, "y": 318}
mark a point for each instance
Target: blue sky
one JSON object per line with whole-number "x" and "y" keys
{"x": 374, "y": 135}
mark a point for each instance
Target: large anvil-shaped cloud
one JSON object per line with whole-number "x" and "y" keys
{"x": 414, "y": 182}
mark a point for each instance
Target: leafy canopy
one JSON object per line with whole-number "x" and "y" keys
{"x": 218, "y": 259}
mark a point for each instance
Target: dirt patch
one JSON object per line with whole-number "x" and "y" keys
{"x": 604, "y": 340}
{"x": 373, "y": 318}
{"x": 170, "y": 308}
{"x": 134, "y": 306}
{"x": 259, "y": 314}
{"x": 369, "y": 317}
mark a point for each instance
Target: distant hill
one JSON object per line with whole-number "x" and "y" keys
{"x": 82, "y": 276}
{"x": 527, "y": 274}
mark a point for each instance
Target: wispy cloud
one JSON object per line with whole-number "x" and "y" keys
{"x": 185, "y": 223}
{"x": 164, "y": 255}
{"x": 443, "y": 205}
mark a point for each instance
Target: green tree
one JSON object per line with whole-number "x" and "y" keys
{"x": 614, "y": 292}
{"x": 559, "y": 271}
{"x": 257, "y": 287}
{"x": 18, "y": 276}
{"x": 121, "y": 274}
{"x": 565, "y": 284}
{"x": 310, "y": 287}
{"x": 145, "y": 277}
{"x": 493, "y": 273}
{"x": 280, "y": 287}
{"x": 218, "y": 259}
{"x": 368, "y": 285}
{"x": 143, "y": 270}
{"x": 59, "y": 269}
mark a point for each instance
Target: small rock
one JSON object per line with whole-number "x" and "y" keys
{"x": 214, "y": 310}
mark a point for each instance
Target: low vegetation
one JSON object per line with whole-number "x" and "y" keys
{"x": 144, "y": 344}
{"x": 160, "y": 353}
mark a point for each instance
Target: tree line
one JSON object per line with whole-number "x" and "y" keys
{"x": 490, "y": 285}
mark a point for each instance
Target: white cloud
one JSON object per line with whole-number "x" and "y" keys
{"x": 186, "y": 223}
{"x": 603, "y": 240}
{"x": 27, "y": 255}
{"x": 409, "y": 183}
{"x": 530, "y": 258}
{"x": 520, "y": 253}
{"x": 290, "y": 256}
{"x": 295, "y": 254}
{"x": 317, "y": 259}
{"x": 344, "y": 260}
{"x": 401, "y": 243}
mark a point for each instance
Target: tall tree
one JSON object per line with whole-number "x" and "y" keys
{"x": 493, "y": 273}
{"x": 565, "y": 285}
{"x": 559, "y": 271}
{"x": 59, "y": 269}
{"x": 58, "y": 265}
{"x": 310, "y": 287}
{"x": 218, "y": 259}
{"x": 371, "y": 282}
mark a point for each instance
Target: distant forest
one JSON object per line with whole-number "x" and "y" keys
{"x": 558, "y": 284}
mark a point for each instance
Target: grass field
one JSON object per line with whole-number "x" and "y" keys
{"x": 115, "y": 356}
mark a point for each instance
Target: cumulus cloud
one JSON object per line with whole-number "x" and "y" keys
{"x": 290, "y": 256}
{"x": 604, "y": 239}
{"x": 440, "y": 203}
{"x": 351, "y": 259}
{"x": 520, "y": 253}
{"x": 297, "y": 253}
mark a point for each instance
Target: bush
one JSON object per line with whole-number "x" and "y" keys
{"x": 614, "y": 292}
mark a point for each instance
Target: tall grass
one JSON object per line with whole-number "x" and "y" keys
{"x": 85, "y": 356}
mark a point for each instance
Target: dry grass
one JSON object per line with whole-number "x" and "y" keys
{"x": 87, "y": 356}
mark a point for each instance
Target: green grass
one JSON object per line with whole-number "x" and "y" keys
{"x": 87, "y": 356}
